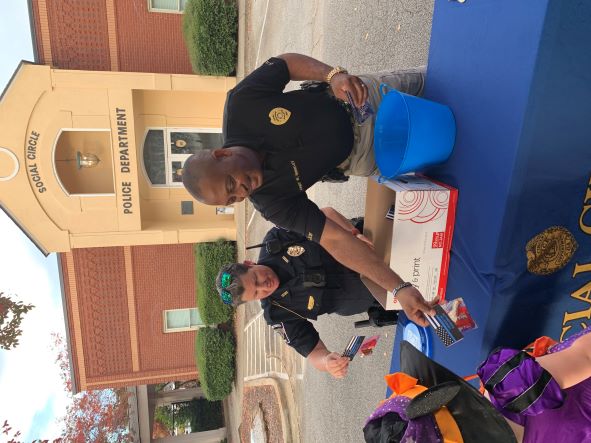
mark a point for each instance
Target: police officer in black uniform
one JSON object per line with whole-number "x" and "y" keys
{"x": 296, "y": 280}
{"x": 278, "y": 144}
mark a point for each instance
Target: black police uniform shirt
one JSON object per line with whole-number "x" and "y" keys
{"x": 299, "y": 298}
{"x": 302, "y": 134}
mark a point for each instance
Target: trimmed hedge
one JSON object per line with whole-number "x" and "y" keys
{"x": 210, "y": 28}
{"x": 207, "y": 415}
{"x": 209, "y": 258}
{"x": 214, "y": 351}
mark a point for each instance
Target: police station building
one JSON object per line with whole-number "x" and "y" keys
{"x": 94, "y": 159}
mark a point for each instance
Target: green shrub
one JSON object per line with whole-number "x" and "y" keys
{"x": 214, "y": 350}
{"x": 210, "y": 31}
{"x": 201, "y": 414}
{"x": 209, "y": 258}
{"x": 207, "y": 415}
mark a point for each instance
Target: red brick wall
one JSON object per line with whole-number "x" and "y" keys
{"x": 79, "y": 34}
{"x": 104, "y": 318}
{"x": 164, "y": 278}
{"x": 147, "y": 41}
{"x": 150, "y": 41}
{"x": 37, "y": 40}
{"x": 75, "y": 370}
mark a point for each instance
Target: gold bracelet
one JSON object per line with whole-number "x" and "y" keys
{"x": 336, "y": 70}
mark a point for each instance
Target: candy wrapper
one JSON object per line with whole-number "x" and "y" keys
{"x": 444, "y": 327}
{"x": 362, "y": 113}
{"x": 368, "y": 345}
{"x": 458, "y": 312}
{"x": 353, "y": 346}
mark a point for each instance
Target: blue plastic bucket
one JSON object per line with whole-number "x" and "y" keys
{"x": 411, "y": 133}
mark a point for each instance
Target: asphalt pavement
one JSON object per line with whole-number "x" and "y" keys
{"x": 363, "y": 36}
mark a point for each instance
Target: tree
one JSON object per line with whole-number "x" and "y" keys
{"x": 7, "y": 430}
{"x": 11, "y": 316}
{"x": 93, "y": 416}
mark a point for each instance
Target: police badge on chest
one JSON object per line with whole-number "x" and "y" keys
{"x": 295, "y": 250}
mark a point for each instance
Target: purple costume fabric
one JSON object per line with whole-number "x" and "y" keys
{"x": 421, "y": 429}
{"x": 556, "y": 415}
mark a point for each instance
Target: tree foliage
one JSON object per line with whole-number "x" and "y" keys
{"x": 11, "y": 316}
{"x": 95, "y": 415}
{"x": 199, "y": 413}
{"x": 14, "y": 435}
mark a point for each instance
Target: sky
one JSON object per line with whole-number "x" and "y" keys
{"x": 31, "y": 391}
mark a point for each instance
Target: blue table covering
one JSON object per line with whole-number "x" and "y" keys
{"x": 517, "y": 76}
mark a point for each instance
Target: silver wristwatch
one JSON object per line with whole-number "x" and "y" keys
{"x": 399, "y": 287}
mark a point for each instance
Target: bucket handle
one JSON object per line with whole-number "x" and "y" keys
{"x": 384, "y": 89}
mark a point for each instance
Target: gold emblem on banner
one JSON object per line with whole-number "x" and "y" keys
{"x": 279, "y": 116}
{"x": 550, "y": 250}
{"x": 310, "y": 303}
{"x": 295, "y": 250}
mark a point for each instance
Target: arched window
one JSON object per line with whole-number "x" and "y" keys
{"x": 166, "y": 149}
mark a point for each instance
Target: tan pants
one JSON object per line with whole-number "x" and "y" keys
{"x": 361, "y": 161}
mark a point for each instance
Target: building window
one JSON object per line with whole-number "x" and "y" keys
{"x": 187, "y": 208}
{"x": 167, "y": 5}
{"x": 178, "y": 320}
{"x": 165, "y": 152}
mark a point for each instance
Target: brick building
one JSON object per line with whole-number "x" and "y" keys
{"x": 131, "y": 314}
{"x": 109, "y": 35}
{"x": 128, "y": 277}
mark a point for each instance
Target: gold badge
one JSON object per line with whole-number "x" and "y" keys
{"x": 310, "y": 303}
{"x": 279, "y": 116}
{"x": 550, "y": 250}
{"x": 295, "y": 250}
{"x": 284, "y": 293}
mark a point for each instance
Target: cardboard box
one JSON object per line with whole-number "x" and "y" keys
{"x": 416, "y": 243}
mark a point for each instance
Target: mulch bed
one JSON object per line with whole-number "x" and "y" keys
{"x": 256, "y": 399}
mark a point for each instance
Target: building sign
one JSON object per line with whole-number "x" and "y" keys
{"x": 580, "y": 316}
{"x": 124, "y": 163}
{"x": 32, "y": 168}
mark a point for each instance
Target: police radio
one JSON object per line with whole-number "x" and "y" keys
{"x": 272, "y": 246}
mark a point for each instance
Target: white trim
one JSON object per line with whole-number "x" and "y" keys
{"x": 168, "y": 330}
{"x": 53, "y": 161}
{"x": 16, "y": 165}
{"x": 166, "y": 11}
{"x": 169, "y": 156}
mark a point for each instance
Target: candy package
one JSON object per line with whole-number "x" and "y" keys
{"x": 362, "y": 113}
{"x": 458, "y": 312}
{"x": 444, "y": 326}
{"x": 368, "y": 345}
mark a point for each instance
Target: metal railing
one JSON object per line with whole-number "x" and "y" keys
{"x": 267, "y": 355}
